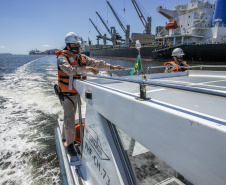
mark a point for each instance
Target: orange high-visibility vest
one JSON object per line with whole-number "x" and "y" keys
{"x": 171, "y": 63}
{"x": 64, "y": 80}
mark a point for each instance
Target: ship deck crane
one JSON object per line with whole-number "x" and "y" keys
{"x": 118, "y": 37}
{"x": 100, "y": 36}
{"x": 109, "y": 31}
{"x": 126, "y": 30}
{"x": 146, "y": 23}
{"x": 114, "y": 35}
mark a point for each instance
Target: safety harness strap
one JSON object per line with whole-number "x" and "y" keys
{"x": 65, "y": 83}
{"x": 67, "y": 77}
{"x": 69, "y": 99}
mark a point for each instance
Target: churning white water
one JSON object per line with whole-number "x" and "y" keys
{"x": 29, "y": 112}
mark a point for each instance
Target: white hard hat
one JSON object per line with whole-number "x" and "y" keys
{"x": 71, "y": 37}
{"x": 177, "y": 52}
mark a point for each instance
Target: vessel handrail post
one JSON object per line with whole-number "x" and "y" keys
{"x": 80, "y": 120}
{"x": 143, "y": 88}
{"x": 148, "y": 69}
{"x": 143, "y": 91}
{"x": 110, "y": 73}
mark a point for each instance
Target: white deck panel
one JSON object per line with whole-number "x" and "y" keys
{"x": 207, "y": 104}
{"x": 184, "y": 128}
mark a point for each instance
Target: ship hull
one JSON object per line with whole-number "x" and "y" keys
{"x": 146, "y": 52}
{"x": 204, "y": 52}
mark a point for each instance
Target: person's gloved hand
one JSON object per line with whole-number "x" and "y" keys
{"x": 94, "y": 70}
{"x": 118, "y": 67}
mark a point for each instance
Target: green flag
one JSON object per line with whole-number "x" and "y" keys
{"x": 136, "y": 67}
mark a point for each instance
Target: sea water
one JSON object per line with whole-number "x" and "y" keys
{"x": 29, "y": 112}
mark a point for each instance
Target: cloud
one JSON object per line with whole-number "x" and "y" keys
{"x": 2, "y": 46}
{"x": 47, "y": 46}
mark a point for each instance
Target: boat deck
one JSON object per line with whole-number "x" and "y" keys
{"x": 182, "y": 123}
{"x": 198, "y": 93}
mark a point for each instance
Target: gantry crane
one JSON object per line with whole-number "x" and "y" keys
{"x": 100, "y": 36}
{"x": 126, "y": 30}
{"x": 146, "y": 23}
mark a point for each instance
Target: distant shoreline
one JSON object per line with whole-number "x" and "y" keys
{"x": 6, "y": 54}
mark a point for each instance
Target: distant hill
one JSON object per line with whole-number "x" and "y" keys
{"x": 47, "y": 52}
{"x": 6, "y": 54}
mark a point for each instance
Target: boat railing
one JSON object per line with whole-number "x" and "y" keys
{"x": 143, "y": 82}
{"x": 188, "y": 67}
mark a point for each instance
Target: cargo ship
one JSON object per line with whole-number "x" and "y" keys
{"x": 197, "y": 27}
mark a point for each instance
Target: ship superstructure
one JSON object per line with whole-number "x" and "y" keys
{"x": 192, "y": 23}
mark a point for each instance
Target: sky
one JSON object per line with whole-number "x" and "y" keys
{"x": 43, "y": 24}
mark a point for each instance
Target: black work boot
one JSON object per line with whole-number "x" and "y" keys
{"x": 71, "y": 151}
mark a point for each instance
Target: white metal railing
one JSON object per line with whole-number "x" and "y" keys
{"x": 156, "y": 67}
{"x": 198, "y": 66}
{"x": 220, "y": 24}
{"x": 143, "y": 82}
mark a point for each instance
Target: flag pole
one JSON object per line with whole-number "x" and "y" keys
{"x": 142, "y": 85}
{"x": 138, "y": 46}
{"x": 142, "y": 71}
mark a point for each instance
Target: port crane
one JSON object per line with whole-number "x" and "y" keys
{"x": 114, "y": 35}
{"x": 146, "y": 23}
{"x": 125, "y": 30}
{"x": 100, "y": 36}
